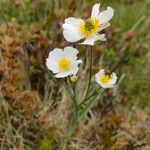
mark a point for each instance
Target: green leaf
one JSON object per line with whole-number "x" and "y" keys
{"x": 90, "y": 104}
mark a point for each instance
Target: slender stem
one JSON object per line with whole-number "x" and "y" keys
{"x": 93, "y": 94}
{"x": 75, "y": 104}
{"x": 89, "y": 105}
{"x": 90, "y": 72}
{"x": 74, "y": 119}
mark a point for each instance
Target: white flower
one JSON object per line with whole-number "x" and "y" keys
{"x": 63, "y": 63}
{"x": 75, "y": 29}
{"x": 105, "y": 80}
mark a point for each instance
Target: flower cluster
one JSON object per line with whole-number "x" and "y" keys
{"x": 64, "y": 62}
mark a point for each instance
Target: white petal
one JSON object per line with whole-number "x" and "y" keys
{"x": 75, "y": 67}
{"x": 110, "y": 84}
{"x": 79, "y": 61}
{"x": 62, "y": 74}
{"x": 56, "y": 54}
{"x": 113, "y": 79}
{"x": 51, "y": 65}
{"x": 105, "y": 25}
{"x": 71, "y": 29}
{"x": 107, "y": 86}
{"x": 91, "y": 39}
{"x": 53, "y": 58}
{"x": 106, "y": 15}
{"x": 71, "y": 52}
{"x": 74, "y": 21}
{"x": 95, "y": 10}
{"x": 71, "y": 33}
{"x": 99, "y": 75}
{"x": 72, "y": 71}
{"x": 101, "y": 37}
{"x": 101, "y": 72}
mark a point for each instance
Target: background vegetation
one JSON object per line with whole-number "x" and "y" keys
{"x": 34, "y": 108}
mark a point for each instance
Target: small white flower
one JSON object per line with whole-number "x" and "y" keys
{"x": 76, "y": 29}
{"x": 63, "y": 63}
{"x": 105, "y": 80}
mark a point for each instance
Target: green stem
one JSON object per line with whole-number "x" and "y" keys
{"x": 89, "y": 105}
{"x": 93, "y": 94}
{"x": 75, "y": 104}
{"x": 74, "y": 119}
{"x": 90, "y": 72}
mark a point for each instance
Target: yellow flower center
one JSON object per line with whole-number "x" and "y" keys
{"x": 89, "y": 26}
{"x": 105, "y": 79}
{"x": 64, "y": 64}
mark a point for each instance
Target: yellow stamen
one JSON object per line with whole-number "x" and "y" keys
{"x": 89, "y": 26}
{"x": 64, "y": 64}
{"x": 105, "y": 79}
